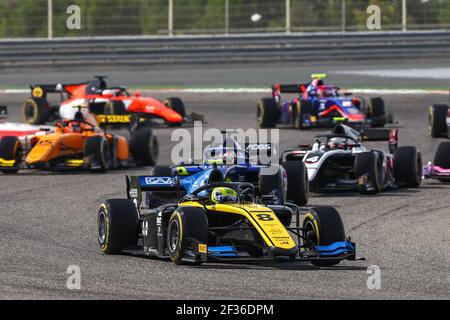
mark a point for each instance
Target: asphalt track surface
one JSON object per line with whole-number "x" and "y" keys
{"x": 48, "y": 222}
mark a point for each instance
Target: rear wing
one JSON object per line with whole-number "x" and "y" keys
{"x": 390, "y": 135}
{"x": 3, "y": 112}
{"x": 278, "y": 89}
{"x": 136, "y": 185}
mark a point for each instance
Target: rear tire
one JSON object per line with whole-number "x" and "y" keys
{"x": 323, "y": 226}
{"x": 186, "y": 222}
{"x": 36, "y": 111}
{"x": 377, "y": 112}
{"x": 144, "y": 147}
{"x": 368, "y": 163}
{"x": 298, "y": 184}
{"x": 267, "y": 113}
{"x": 97, "y": 154}
{"x": 408, "y": 166}
{"x": 10, "y": 149}
{"x": 437, "y": 118}
{"x": 274, "y": 184}
{"x": 117, "y": 225}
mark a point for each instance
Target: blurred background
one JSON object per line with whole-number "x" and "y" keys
{"x": 29, "y": 18}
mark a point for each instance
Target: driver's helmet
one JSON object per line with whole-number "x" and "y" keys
{"x": 223, "y": 195}
{"x": 74, "y": 127}
{"x": 229, "y": 157}
{"x": 337, "y": 143}
{"x": 324, "y": 91}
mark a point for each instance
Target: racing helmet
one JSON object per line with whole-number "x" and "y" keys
{"x": 223, "y": 195}
{"x": 229, "y": 157}
{"x": 337, "y": 143}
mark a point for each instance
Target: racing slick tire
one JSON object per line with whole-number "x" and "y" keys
{"x": 10, "y": 149}
{"x": 304, "y": 108}
{"x": 184, "y": 224}
{"x": 368, "y": 166}
{"x": 442, "y": 157}
{"x": 177, "y": 105}
{"x": 144, "y": 147}
{"x": 117, "y": 225}
{"x": 297, "y": 182}
{"x": 376, "y": 112}
{"x": 114, "y": 108}
{"x": 274, "y": 184}
{"x": 323, "y": 226}
{"x": 437, "y": 118}
{"x": 408, "y": 166}
{"x": 36, "y": 111}
{"x": 97, "y": 154}
{"x": 267, "y": 113}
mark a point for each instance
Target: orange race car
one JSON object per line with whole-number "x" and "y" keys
{"x": 102, "y": 99}
{"x": 78, "y": 144}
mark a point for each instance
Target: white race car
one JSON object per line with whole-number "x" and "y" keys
{"x": 339, "y": 161}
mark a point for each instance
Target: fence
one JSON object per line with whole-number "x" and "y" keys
{"x": 32, "y": 18}
{"x": 147, "y": 51}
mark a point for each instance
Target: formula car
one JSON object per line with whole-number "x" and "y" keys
{"x": 339, "y": 161}
{"x": 229, "y": 161}
{"x": 220, "y": 222}
{"x": 319, "y": 105}
{"x": 16, "y": 129}
{"x": 77, "y": 144}
{"x": 439, "y": 120}
{"x": 101, "y": 99}
{"x": 440, "y": 168}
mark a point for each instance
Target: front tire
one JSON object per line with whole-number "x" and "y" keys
{"x": 377, "y": 112}
{"x": 186, "y": 223}
{"x": 96, "y": 154}
{"x": 298, "y": 184}
{"x": 177, "y": 105}
{"x": 118, "y": 225}
{"x": 144, "y": 147}
{"x": 408, "y": 166}
{"x": 368, "y": 166}
{"x": 323, "y": 226}
{"x": 11, "y": 150}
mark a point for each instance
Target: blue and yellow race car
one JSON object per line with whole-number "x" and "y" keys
{"x": 319, "y": 105}
{"x": 220, "y": 222}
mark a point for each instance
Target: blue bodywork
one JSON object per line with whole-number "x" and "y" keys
{"x": 342, "y": 107}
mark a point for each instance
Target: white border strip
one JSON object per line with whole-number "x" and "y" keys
{"x": 266, "y": 90}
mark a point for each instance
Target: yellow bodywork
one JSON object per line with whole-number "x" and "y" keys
{"x": 262, "y": 218}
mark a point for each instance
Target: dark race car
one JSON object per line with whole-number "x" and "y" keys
{"x": 220, "y": 222}
{"x": 339, "y": 161}
{"x": 319, "y": 105}
{"x": 231, "y": 162}
{"x": 102, "y": 99}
